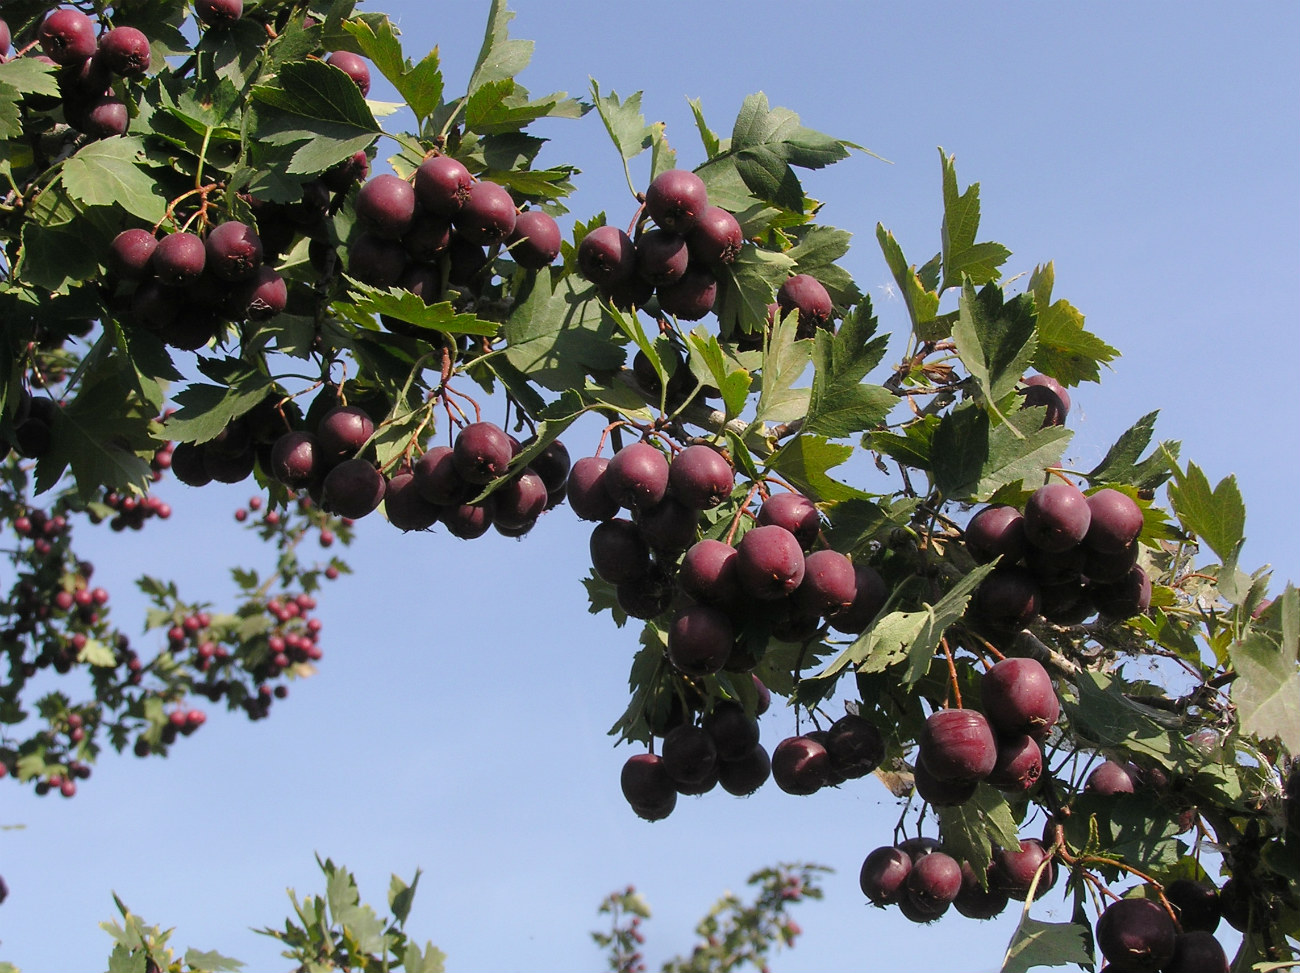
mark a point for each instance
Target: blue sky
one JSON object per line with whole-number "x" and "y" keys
{"x": 458, "y": 721}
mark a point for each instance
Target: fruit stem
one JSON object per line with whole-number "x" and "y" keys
{"x": 952, "y": 670}
{"x": 735, "y": 522}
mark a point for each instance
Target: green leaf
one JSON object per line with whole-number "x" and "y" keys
{"x": 766, "y": 142}
{"x": 729, "y": 378}
{"x": 840, "y": 403}
{"x": 1104, "y": 716}
{"x": 1036, "y": 943}
{"x": 1065, "y": 350}
{"x": 995, "y": 340}
{"x": 432, "y": 960}
{"x": 962, "y": 256}
{"x": 108, "y": 172}
{"x": 205, "y": 410}
{"x": 913, "y": 448}
{"x": 922, "y": 302}
{"x": 707, "y": 136}
{"x": 1267, "y": 689}
{"x": 804, "y": 460}
{"x": 365, "y": 301}
{"x": 30, "y": 76}
{"x": 973, "y": 458}
{"x": 197, "y": 959}
{"x": 500, "y": 57}
{"x": 623, "y": 120}
{"x": 784, "y": 360}
{"x": 971, "y": 830}
{"x": 909, "y": 639}
{"x": 747, "y": 286}
{"x": 96, "y": 653}
{"x": 1120, "y": 461}
{"x": 419, "y": 86}
{"x": 319, "y": 110}
{"x": 103, "y": 435}
{"x": 555, "y": 336}
{"x": 1217, "y": 516}
{"x": 815, "y": 252}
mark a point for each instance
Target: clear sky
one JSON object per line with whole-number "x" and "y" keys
{"x": 458, "y": 720}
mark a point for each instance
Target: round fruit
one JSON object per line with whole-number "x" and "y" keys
{"x": 668, "y": 525}
{"x": 125, "y": 51}
{"x": 386, "y": 205}
{"x": 691, "y": 297}
{"x": 343, "y": 430}
{"x": 179, "y": 259}
{"x": 234, "y": 251}
{"x": 1129, "y": 596}
{"x": 957, "y": 745}
{"x": 354, "y": 66}
{"x": 661, "y": 256}
{"x": 1013, "y": 871}
{"x": 535, "y": 241}
{"x": 996, "y": 531}
{"x": 716, "y": 237}
{"x": 976, "y": 901}
{"x": 488, "y": 215}
{"x": 745, "y": 775}
{"x": 1019, "y": 697}
{"x": 67, "y": 36}
{"x": 1110, "y": 778}
{"x": 800, "y": 765}
{"x": 216, "y": 13}
{"x": 708, "y": 573}
{"x": 1046, "y": 391}
{"x": 647, "y": 786}
{"x": 130, "y": 252}
{"x": 1115, "y": 522}
{"x": 406, "y": 509}
{"x": 870, "y": 595}
{"x": 442, "y": 185}
{"x": 606, "y": 256}
{"x": 1019, "y": 764}
{"x": 699, "y": 640}
{"x": 933, "y": 883}
{"x": 676, "y": 199}
{"x": 806, "y": 295}
{"x": 618, "y": 551}
{"x": 829, "y": 584}
{"x": 1136, "y": 935}
{"x": 1056, "y": 517}
{"x": 796, "y": 513}
{"x": 700, "y": 477}
{"x": 855, "y": 746}
{"x": 482, "y": 451}
{"x": 296, "y": 459}
{"x": 734, "y": 733}
{"x": 1197, "y": 951}
{"x": 637, "y": 476}
{"x": 769, "y": 563}
{"x": 1196, "y": 904}
{"x": 690, "y": 755}
{"x": 585, "y": 489}
{"x": 352, "y": 489}
{"x": 883, "y": 875}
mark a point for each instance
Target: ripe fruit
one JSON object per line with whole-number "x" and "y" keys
{"x": 343, "y": 430}
{"x": 1013, "y": 870}
{"x": 406, "y": 509}
{"x": 442, "y": 185}
{"x": 482, "y": 451}
{"x": 746, "y": 774}
{"x": 1046, "y": 391}
{"x": 996, "y": 530}
{"x": 1122, "y": 599}
{"x": 535, "y": 241}
{"x": 1019, "y": 697}
{"x": 647, "y": 786}
{"x": 125, "y": 51}
{"x": 855, "y": 746}
{"x": 1019, "y": 764}
{"x": 637, "y": 476}
{"x": 130, "y": 252}
{"x": 1197, "y": 951}
{"x": 800, "y": 765}
{"x": 883, "y": 875}
{"x": 618, "y": 551}
{"x": 676, "y": 199}
{"x": 1115, "y": 522}
{"x": 957, "y": 745}
{"x": 931, "y": 886}
{"x": 661, "y": 256}
{"x": 354, "y": 66}
{"x": 353, "y": 489}
{"x": 296, "y": 459}
{"x": 488, "y": 214}
{"x": 606, "y": 256}
{"x": 716, "y": 237}
{"x": 1136, "y": 935}
{"x": 699, "y": 640}
{"x": 262, "y": 296}
{"x": 806, "y": 295}
{"x": 870, "y": 595}
{"x": 734, "y": 733}
{"x": 1196, "y": 904}
{"x": 769, "y": 563}
{"x": 796, "y": 513}
{"x": 708, "y": 573}
{"x": 520, "y": 501}
{"x": 67, "y": 36}
{"x": 690, "y": 756}
{"x": 1110, "y": 778}
{"x": 386, "y": 205}
{"x": 179, "y": 259}
{"x": 217, "y": 13}
{"x": 829, "y": 584}
{"x": 700, "y": 477}
{"x": 586, "y": 491}
{"x": 1056, "y": 517}
{"x": 234, "y": 251}
{"x": 941, "y": 793}
{"x": 691, "y": 297}
{"x": 668, "y": 525}
{"x": 976, "y": 901}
